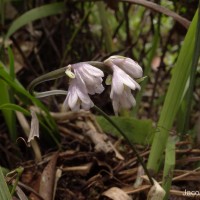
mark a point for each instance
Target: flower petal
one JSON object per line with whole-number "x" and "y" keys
{"x": 126, "y": 64}
{"x": 120, "y": 78}
{"x": 90, "y": 76}
{"x": 127, "y": 100}
{"x": 72, "y": 95}
{"x": 117, "y": 85}
{"x": 116, "y": 104}
{"x": 129, "y": 66}
{"x": 121, "y": 87}
{"x": 89, "y": 69}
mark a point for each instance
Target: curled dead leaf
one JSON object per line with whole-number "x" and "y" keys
{"x": 34, "y": 132}
{"x": 156, "y": 192}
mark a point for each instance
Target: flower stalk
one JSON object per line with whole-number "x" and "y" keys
{"x": 129, "y": 142}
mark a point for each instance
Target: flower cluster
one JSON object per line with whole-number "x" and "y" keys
{"x": 86, "y": 80}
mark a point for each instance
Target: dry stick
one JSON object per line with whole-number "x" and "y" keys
{"x": 185, "y": 174}
{"x": 50, "y": 34}
{"x": 19, "y": 49}
{"x": 35, "y": 48}
{"x": 30, "y": 190}
{"x": 50, "y": 39}
{"x": 183, "y": 21}
{"x": 126, "y": 138}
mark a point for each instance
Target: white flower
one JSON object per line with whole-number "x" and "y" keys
{"x": 87, "y": 80}
{"x": 123, "y": 101}
{"x": 128, "y": 65}
{"x": 91, "y": 76}
{"x": 122, "y": 83}
{"x": 77, "y": 96}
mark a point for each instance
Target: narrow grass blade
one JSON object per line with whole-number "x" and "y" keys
{"x": 11, "y": 63}
{"x": 13, "y": 128}
{"x": 7, "y": 114}
{"x": 7, "y": 97}
{"x": 169, "y": 166}
{"x": 18, "y": 88}
{"x": 195, "y": 60}
{"x": 173, "y": 98}
{"x": 34, "y": 14}
{"x": 4, "y": 191}
{"x": 10, "y": 106}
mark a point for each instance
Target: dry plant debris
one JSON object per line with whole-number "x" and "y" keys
{"x": 84, "y": 170}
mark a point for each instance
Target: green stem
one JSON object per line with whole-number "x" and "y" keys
{"x": 58, "y": 74}
{"x": 170, "y": 160}
{"x": 126, "y": 138}
{"x": 19, "y": 173}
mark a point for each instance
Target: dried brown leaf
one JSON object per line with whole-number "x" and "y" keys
{"x": 48, "y": 179}
{"x": 34, "y": 132}
{"x": 116, "y": 194}
{"x": 139, "y": 178}
{"x": 21, "y": 194}
{"x": 156, "y": 192}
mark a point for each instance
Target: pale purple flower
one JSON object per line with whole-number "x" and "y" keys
{"x": 122, "y": 83}
{"x": 87, "y": 80}
{"x": 128, "y": 65}
{"x": 77, "y": 96}
{"x": 123, "y": 101}
{"x": 91, "y": 76}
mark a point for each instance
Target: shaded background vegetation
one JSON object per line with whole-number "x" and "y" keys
{"x": 77, "y": 35}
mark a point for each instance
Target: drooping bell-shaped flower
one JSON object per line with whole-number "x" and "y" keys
{"x": 86, "y": 80}
{"x": 123, "y": 101}
{"x": 91, "y": 76}
{"x": 128, "y": 65}
{"x": 123, "y": 82}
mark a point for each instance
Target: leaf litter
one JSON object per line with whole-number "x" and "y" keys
{"x": 84, "y": 170}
